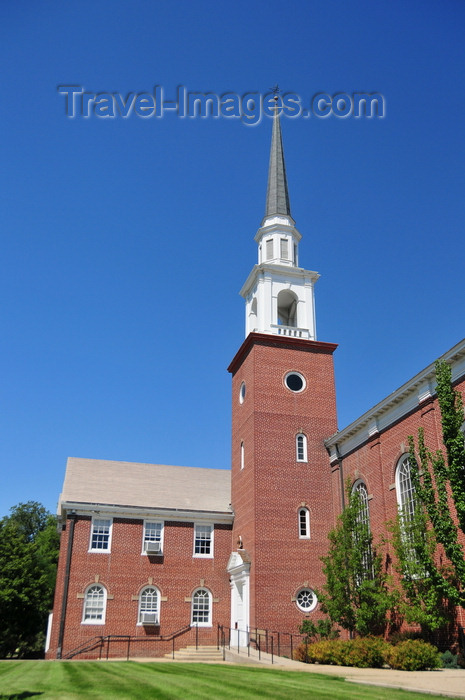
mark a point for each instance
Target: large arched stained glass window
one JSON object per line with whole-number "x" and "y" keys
{"x": 362, "y": 533}
{"x": 404, "y": 489}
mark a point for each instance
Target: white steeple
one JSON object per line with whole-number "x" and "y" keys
{"x": 279, "y": 295}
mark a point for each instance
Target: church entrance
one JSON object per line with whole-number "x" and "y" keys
{"x": 238, "y": 570}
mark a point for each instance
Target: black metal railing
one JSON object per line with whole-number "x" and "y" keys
{"x": 262, "y": 640}
{"x": 103, "y": 643}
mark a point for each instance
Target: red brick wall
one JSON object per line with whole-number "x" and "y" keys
{"x": 125, "y": 571}
{"x": 268, "y": 492}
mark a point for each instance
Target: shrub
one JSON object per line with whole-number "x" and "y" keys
{"x": 413, "y": 655}
{"x": 363, "y": 652}
{"x": 449, "y": 660}
{"x": 324, "y": 652}
{"x": 366, "y": 652}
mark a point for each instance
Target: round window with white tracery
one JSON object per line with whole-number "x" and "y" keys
{"x": 306, "y": 600}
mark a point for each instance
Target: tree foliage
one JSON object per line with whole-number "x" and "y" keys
{"x": 424, "y": 586}
{"x": 323, "y": 629}
{"x": 356, "y": 594}
{"x": 28, "y": 556}
{"x": 431, "y": 558}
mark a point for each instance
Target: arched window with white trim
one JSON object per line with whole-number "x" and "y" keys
{"x": 361, "y": 490}
{"x": 242, "y": 454}
{"x": 201, "y": 612}
{"x": 304, "y": 524}
{"x": 149, "y": 606}
{"x": 405, "y": 490}
{"x": 301, "y": 447}
{"x": 95, "y": 603}
{"x": 363, "y": 529}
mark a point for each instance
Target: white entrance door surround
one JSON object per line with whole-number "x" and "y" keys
{"x": 239, "y": 577}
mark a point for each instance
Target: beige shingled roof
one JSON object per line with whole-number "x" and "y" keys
{"x": 146, "y": 485}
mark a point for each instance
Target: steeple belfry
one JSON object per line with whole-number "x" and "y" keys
{"x": 279, "y": 295}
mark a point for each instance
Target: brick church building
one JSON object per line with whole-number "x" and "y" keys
{"x": 154, "y": 551}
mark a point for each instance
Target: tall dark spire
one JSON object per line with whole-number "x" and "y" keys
{"x": 277, "y": 195}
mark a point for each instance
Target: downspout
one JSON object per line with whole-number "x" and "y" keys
{"x": 64, "y": 601}
{"x": 341, "y": 477}
{"x": 335, "y": 458}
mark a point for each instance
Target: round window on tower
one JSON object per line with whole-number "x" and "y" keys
{"x": 242, "y": 393}
{"x": 306, "y": 600}
{"x": 295, "y": 382}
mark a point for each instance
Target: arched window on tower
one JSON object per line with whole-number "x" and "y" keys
{"x": 287, "y": 308}
{"x": 301, "y": 447}
{"x": 253, "y": 314}
{"x": 304, "y": 524}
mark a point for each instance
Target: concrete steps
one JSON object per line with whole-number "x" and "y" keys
{"x": 203, "y": 654}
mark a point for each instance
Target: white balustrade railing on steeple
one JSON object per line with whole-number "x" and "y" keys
{"x": 291, "y": 331}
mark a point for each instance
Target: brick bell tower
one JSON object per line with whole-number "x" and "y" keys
{"x": 283, "y": 407}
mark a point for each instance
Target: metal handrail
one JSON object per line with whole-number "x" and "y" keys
{"x": 263, "y": 640}
{"x": 107, "y": 639}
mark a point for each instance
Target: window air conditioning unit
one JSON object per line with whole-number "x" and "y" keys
{"x": 149, "y": 618}
{"x": 153, "y": 547}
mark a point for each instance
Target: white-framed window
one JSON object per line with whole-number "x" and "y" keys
{"x": 404, "y": 490}
{"x": 149, "y": 606}
{"x": 284, "y": 249}
{"x": 203, "y": 540}
{"x": 363, "y": 518}
{"x": 301, "y": 447}
{"x": 152, "y": 543}
{"x": 306, "y": 600}
{"x": 407, "y": 504}
{"x": 242, "y": 455}
{"x": 295, "y": 382}
{"x": 95, "y": 603}
{"x": 364, "y": 514}
{"x": 201, "y": 614}
{"x": 100, "y": 535}
{"x": 304, "y": 524}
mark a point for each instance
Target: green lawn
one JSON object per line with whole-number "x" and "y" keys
{"x": 61, "y": 680}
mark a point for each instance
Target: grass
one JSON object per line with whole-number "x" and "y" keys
{"x": 129, "y": 680}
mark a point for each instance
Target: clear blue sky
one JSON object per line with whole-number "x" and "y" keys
{"x": 125, "y": 242}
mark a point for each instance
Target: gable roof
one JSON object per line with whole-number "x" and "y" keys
{"x": 131, "y": 484}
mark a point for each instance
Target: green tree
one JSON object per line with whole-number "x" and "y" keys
{"x": 323, "y": 629}
{"x": 28, "y": 555}
{"x": 356, "y": 594}
{"x": 431, "y": 559}
{"x": 425, "y": 586}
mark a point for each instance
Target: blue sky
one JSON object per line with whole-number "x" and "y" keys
{"x": 125, "y": 241}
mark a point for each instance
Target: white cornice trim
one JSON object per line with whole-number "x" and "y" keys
{"x": 286, "y": 271}
{"x": 121, "y": 511}
{"x": 396, "y": 405}
{"x": 276, "y": 225}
